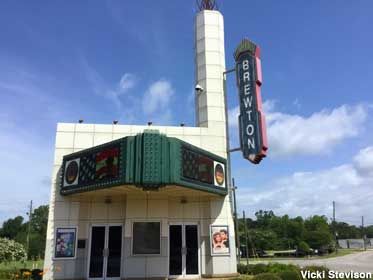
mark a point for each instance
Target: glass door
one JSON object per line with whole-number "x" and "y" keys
{"x": 114, "y": 253}
{"x": 105, "y": 253}
{"x": 183, "y": 251}
{"x": 176, "y": 247}
{"x": 96, "y": 263}
{"x": 191, "y": 246}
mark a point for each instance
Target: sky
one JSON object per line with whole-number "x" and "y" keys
{"x": 133, "y": 61}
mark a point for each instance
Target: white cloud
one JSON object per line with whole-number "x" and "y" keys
{"x": 364, "y": 161}
{"x": 290, "y": 135}
{"x": 310, "y": 193}
{"x": 113, "y": 92}
{"x": 317, "y": 134}
{"x": 127, "y": 82}
{"x": 158, "y": 97}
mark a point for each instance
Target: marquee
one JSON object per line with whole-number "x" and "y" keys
{"x": 149, "y": 160}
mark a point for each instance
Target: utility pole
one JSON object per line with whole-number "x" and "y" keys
{"x": 333, "y": 211}
{"x": 29, "y": 228}
{"x": 236, "y": 222}
{"x": 334, "y": 229}
{"x": 362, "y": 232}
{"x": 246, "y": 239}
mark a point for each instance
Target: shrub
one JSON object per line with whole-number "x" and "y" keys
{"x": 267, "y": 276}
{"x": 257, "y": 268}
{"x": 11, "y": 251}
{"x": 279, "y": 267}
{"x": 289, "y": 275}
{"x": 303, "y": 247}
{"x": 242, "y": 268}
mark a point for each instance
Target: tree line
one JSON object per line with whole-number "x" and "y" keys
{"x": 17, "y": 229}
{"x": 270, "y": 232}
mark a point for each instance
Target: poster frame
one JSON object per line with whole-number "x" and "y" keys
{"x": 211, "y": 234}
{"x": 74, "y": 230}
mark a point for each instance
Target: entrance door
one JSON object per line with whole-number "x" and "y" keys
{"x": 106, "y": 252}
{"x": 183, "y": 255}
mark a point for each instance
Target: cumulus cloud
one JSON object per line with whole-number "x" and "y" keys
{"x": 310, "y": 193}
{"x": 316, "y": 134}
{"x": 290, "y": 135}
{"x": 114, "y": 92}
{"x": 127, "y": 82}
{"x": 364, "y": 161}
{"x": 157, "y": 98}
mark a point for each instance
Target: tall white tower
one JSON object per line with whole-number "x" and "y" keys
{"x": 210, "y": 109}
{"x": 210, "y": 65}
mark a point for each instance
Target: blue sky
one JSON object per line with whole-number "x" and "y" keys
{"x": 99, "y": 60}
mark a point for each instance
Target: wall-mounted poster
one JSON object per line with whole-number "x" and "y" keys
{"x": 65, "y": 243}
{"x": 219, "y": 238}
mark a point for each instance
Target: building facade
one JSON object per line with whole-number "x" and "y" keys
{"x": 138, "y": 229}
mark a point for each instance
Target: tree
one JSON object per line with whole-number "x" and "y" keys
{"x": 303, "y": 247}
{"x": 263, "y": 218}
{"x": 369, "y": 231}
{"x": 319, "y": 239}
{"x": 346, "y": 231}
{"x": 12, "y": 227}
{"x": 16, "y": 230}
{"x": 40, "y": 219}
{"x": 39, "y": 223}
{"x": 316, "y": 223}
{"x": 318, "y": 233}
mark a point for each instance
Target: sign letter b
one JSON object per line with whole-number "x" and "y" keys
{"x": 245, "y": 65}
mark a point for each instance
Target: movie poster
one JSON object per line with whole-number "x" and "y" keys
{"x": 65, "y": 243}
{"x": 219, "y": 236}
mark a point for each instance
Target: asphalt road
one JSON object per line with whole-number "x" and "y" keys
{"x": 358, "y": 262}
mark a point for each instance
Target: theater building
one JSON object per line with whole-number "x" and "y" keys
{"x": 147, "y": 202}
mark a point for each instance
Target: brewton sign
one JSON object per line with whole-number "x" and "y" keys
{"x": 253, "y": 137}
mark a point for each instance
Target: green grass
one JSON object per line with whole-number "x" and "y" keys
{"x": 341, "y": 253}
{"x": 12, "y": 267}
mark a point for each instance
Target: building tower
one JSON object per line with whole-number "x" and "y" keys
{"x": 210, "y": 65}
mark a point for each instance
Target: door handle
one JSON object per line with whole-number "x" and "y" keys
{"x": 184, "y": 250}
{"x": 105, "y": 252}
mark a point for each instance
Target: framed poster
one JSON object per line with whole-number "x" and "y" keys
{"x": 219, "y": 240}
{"x": 65, "y": 243}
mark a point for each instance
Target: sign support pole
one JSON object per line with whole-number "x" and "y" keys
{"x": 236, "y": 222}
{"x": 231, "y": 187}
{"x": 246, "y": 238}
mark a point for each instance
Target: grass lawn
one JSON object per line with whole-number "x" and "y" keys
{"x": 341, "y": 252}
{"x": 9, "y": 268}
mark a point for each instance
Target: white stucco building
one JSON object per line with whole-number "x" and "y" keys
{"x": 114, "y": 231}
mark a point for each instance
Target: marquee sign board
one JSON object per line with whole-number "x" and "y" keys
{"x": 253, "y": 136}
{"x": 201, "y": 168}
{"x": 149, "y": 160}
{"x": 97, "y": 167}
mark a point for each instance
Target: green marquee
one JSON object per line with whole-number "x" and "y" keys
{"x": 149, "y": 160}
